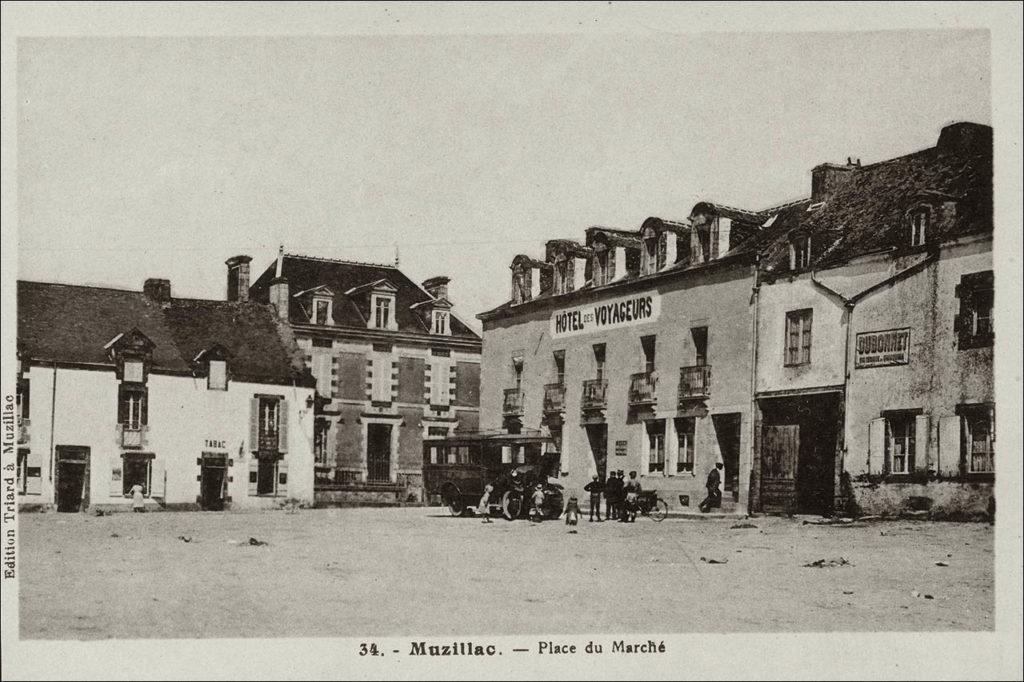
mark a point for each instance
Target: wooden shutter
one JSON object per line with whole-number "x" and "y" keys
{"x": 282, "y": 426}
{"x": 122, "y": 406}
{"x": 254, "y": 424}
{"x": 467, "y": 384}
{"x": 876, "y": 445}
{"x": 143, "y": 407}
{"x": 282, "y": 478}
{"x": 117, "y": 479}
{"x": 254, "y": 475}
{"x": 157, "y": 478}
{"x": 922, "y": 436}
{"x": 949, "y": 446}
{"x": 410, "y": 380}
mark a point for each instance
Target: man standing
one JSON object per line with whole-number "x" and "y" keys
{"x": 595, "y": 488}
{"x": 612, "y": 490}
{"x": 714, "y": 498}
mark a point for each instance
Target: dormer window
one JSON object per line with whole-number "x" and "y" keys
{"x": 213, "y": 362}
{"x": 440, "y": 325}
{"x": 651, "y": 261}
{"x": 382, "y": 312}
{"x": 134, "y": 371}
{"x": 919, "y": 223}
{"x": 800, "y": 252}
{"x": 322, "y": 311}
{"x": 217, "y": 379}
{"x": 604, "y": 264}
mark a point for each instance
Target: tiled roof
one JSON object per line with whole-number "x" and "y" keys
{"x": 307, "y": 272}
{"x": 68, "y": 323}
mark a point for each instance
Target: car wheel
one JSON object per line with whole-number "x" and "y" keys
{"x": 554, "y": 503}
{"x": 453, "y": 500}
{"x": 511, "y": 505}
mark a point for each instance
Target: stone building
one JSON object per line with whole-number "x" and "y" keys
{"x": 394, "y": 366}
{"x": 205, "y": 404}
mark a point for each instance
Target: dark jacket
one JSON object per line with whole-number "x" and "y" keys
{"x": 595, "y": 487}
{"x": 714, "y": 478}
{"x": 613, "y": 489}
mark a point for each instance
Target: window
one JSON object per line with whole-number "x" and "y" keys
{"x": 321, "y": 454}
{"x": 919, "y": 220}
{"x": 440, "y": 322}
{"x": 563, "y": 278}
{"x": 217, "y": 377}
{"x": 133, "y": 371}
{"x": 650, "y": 259}
{"x": 136, "y": 471}
{"x": 131, "y": 407}
{"x": 517, "y": 371}
{"x": 604, "y": 264}
{"x": 700, "y": 345}
{"x": 437, "y": 432}
{"x": 980, "y": 435}
{"x": 798, "y": 337}
{"x": 521, "y": 285}
{"x": 685, "y": 430}
{"x": 656, "y": 446}
{"x": 647, "y": 344}
{"x": 975, "y": 323}
{"x": 268, "y": 417}
{"x": 382, "y": 312}
{"x": 900, "y": 445}
{"x": 800, "y": 252}
{"x": 23, "y": 398}
{"x": 559, "y": 356}
{"x": 599, "y": 360}
{"x": 321, "y": 311}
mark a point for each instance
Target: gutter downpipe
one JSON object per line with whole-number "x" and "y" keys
{"x": 753, "y": 382}
{"x": 53, "y": 418}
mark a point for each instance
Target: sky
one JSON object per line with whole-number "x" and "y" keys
{"x": 163, "y": 157}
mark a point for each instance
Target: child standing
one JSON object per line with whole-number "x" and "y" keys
{"x": 484, "y": 508}
{"x": 138, "y": 499}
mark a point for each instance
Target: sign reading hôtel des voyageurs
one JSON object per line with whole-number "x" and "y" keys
{"x": 594, "y": 317}
{"x": 879, "y": 349}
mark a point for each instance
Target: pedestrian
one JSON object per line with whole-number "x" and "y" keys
{"x": 572, "y": 512}
{"x": 484, "y": 508}
{"x": 632, "y": 489}
{"x": 714, "y": 498}
{"x": 621, "y": 497}
{"x": 612, "y": 489}
{"x": 537, "y": 512}
{"x": 138, "y": 499}
{"x": 595, "y": 488}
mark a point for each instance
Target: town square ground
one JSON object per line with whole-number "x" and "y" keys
{"x": 393, "y": 572}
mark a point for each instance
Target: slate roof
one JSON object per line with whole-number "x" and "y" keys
{"x": 307, "y": 272}
{"x": 71, "y": 324}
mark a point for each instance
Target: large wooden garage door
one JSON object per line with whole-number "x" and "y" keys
{"x": 780, "y": 448}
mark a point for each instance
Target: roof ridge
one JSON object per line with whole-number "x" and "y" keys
{"x": 341, "y": 261}
{"x": 788, "y": 204}
{"x": 82, "y": 286}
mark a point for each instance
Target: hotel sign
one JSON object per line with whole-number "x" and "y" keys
{"x": 880, "y": 349}
{"x": 620, "y": 312}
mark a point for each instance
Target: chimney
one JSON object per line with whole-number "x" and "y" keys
{"x": 238, "y": 278}
{"x": 966, "y": 138}
{"x": 157, "y": 290}
{"x": 437, "y": 286}
{"x": 828, "y": 177}
{"x": 279, "y": 297}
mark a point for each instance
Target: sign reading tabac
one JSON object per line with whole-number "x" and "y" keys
{"x": 620, "y": 312}
{"x": 879, "y": 349}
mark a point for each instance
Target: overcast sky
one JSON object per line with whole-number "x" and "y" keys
{"x": 162, "y": 157}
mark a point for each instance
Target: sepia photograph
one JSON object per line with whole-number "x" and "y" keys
{"x": 416, "y": 340}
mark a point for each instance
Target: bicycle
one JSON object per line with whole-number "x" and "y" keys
{"x": 649, "y": 504}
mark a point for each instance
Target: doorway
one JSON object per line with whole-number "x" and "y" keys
{"x": 378, "y": 453}
{"x": 213, "y": 482}
{"x": 597, "y": 435}
{"x": 799, "y": 443}
{"x": 727, "y": 431}
{"x": 72, "y": 484}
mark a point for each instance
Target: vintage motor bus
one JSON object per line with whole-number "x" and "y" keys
{"x": 456, "y": 469}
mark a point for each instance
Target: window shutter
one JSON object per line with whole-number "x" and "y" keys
{"x": 254, "y": 424}
{"x": 116, "y": 480}
{"x": 949, "y": 446}
{"x": 282, "y": 478}
{"x": 144, "y": 408}
{"x": 922, "y": 436}
{"x": 876, "y": 445}
{"x": 157, "y": 479}
{"x": 282, "y": 426}
{"x": 254, "y": 475}
{"x": 122, "y": 406}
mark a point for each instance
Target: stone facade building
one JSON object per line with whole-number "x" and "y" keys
{"x": 393, "y": 364}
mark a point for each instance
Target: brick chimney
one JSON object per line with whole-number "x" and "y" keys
{"x": 238, "y": 278}
{"x": 437, "y": 286}
{"x": 157, "y": 290}
{"x": 828, "y": 177}
{"x": 279, "y": 288}
{"x": 966, "y": 138}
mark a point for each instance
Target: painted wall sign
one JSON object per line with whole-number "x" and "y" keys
{"x": 621, "y": 448}
{"x": 620, "y": 312}
{"x": 880, "y": 349}
{"x": 216, "y": 444}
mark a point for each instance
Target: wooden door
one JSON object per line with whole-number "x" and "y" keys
{"x": 780, "y": 450}
{"x": 378, "y": 453}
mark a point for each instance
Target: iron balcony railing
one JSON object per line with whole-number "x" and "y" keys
{"x": 642, "y": 387}
{"x": 131, "y": 437}
{"x": 554, "y": 397}
{"x": 595, "y": 392}
{"x": 512, "y": 406}
{"x": 694, "y": 382}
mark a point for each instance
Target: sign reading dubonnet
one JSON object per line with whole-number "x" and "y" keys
{"x": 879, "y": 349}
{"x": 620, "y": 312}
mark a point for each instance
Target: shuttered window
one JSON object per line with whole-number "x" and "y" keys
{"x": 411, "y": 377}
{"x": 352, "y": 376}
{"x": 685, "y": 432}
{"x": 798, "y": 337}
{"x": 132, "y": 412}
{"x": 467, "y": 384}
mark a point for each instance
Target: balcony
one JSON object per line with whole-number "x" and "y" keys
{"x": 130, "y": 437}
{"x": 23, "y": 431}
{"x": 642, "y": 387}
{"x": 512, "y": 406}
{"x": 554, "y": 398}
{"x": 694, "y": 382}
{"x": 595, "y": 392}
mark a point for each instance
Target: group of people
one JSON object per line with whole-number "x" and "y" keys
{"x": 621, "y": 496}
